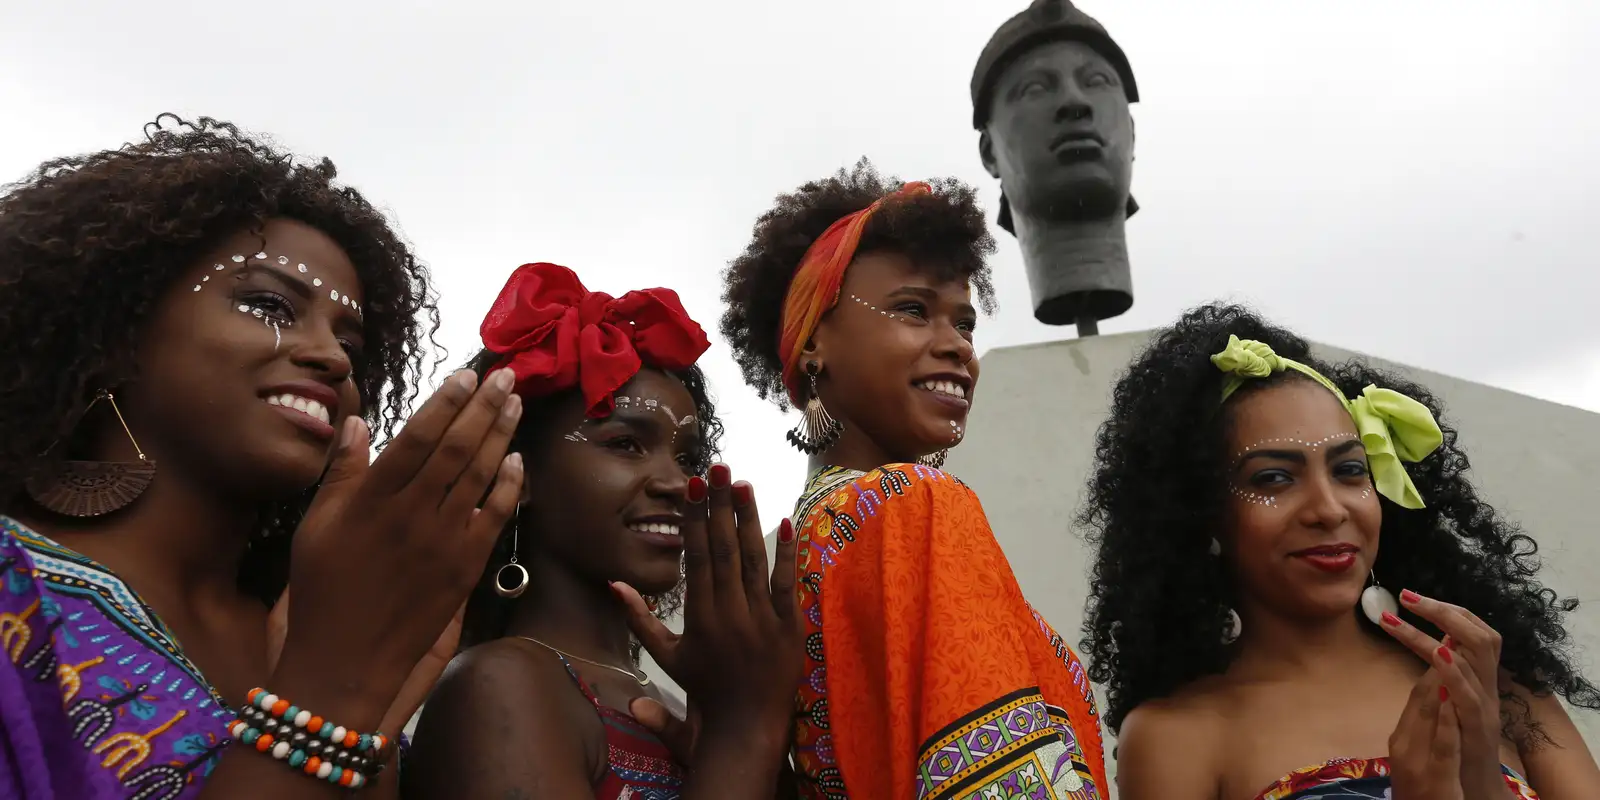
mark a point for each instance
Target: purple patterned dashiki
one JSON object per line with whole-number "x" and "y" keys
{"x": 97, "y": 701}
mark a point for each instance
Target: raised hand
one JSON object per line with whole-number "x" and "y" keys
{"x": 1425, "y": 747}
{"x": 741, "y": 654}
{"x": 1469, "y": 662}
{"x": 387, "y": 553}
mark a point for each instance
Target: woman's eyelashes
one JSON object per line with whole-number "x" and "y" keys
{"x": 1271, "y": 477}
{"x": 633, "y": 446}
{"x": 268, "y": 305}
{"x": 624, "y": 443}
{"x": 913, "y": 311}
{"x": 1351, "y": 470}
{"x": 278, "y": 312}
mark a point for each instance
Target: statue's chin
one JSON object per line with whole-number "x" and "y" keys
{"x": 1077, "y": 192}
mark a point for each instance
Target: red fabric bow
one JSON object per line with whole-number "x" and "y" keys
{"x": 555, "y": 334}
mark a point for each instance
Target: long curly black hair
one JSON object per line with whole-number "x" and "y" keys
{"x": 88, "y": 244}
{"x": 487, "y": 612}
{"x": 1156, "y": 501}
{"x": 943, "y": 233}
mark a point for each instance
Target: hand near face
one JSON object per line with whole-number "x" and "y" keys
{"x": 1469, "y": 662}
{"x": 388, "y": 553}
{"x": 741, "y": 654}
{"x": 1425, "y": 747}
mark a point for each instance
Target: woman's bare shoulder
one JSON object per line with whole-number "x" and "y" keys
{"x": 517, "y": 719}
{"x": 1171, "y": 747}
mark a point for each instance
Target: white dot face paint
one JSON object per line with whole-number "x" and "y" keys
{"x": 1252, "y": 497}
{"x": 956, "y": 431}
{"x": 277, "y": 325}
{"x": 1309, "y": 444}
{"x": 679, "y": 424}
{"x": 889, "y": 314}
{"x": 1314, "y": 445}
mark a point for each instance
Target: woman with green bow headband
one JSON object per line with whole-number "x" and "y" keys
{"x": 1241, "y": 613}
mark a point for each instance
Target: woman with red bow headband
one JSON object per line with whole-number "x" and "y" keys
{"x": 930, "y": 675}
{"x": 617, "y": 431}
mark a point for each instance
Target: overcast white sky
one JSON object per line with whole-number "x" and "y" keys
{"x": 1405, "y": 179}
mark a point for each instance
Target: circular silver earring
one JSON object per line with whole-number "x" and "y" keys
{"x": 519, "y": 573}
{"x": 1377, "y": 601}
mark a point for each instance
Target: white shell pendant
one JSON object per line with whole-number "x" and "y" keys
{"x": 1375, "y": 600}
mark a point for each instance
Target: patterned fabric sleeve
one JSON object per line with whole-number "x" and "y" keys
{"x": 939, "y": 680}
{"x": 38, "y": 757}
{"x": 97, "y": 701}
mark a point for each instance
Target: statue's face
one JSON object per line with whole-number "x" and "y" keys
{"x": 1060, "y": 135}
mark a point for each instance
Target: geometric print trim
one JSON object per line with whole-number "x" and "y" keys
{"x": 70, "y": 573}
{"x": 1074, "y": 667}
{"x": 978, "y": 740}
{"x": 1009, "y": 749}
{"x": 819, "y": 487}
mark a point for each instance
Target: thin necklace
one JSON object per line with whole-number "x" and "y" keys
{"x": 638, "y": 677}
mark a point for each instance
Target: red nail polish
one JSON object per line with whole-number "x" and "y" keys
{"x": 1391, "y": 620}
{"x": 1410, "y": 597}
{"x": 720, "y": 476}
{"x": 1444, "y": 653}
{"x": 786, "y": 531}
{"x": 1444, "y": 694}
{"x": 742, "y": 494}
{"x": 697, "y": 489}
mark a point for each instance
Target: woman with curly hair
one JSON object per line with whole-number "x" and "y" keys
{"x": 196, "y": 332}
{"x": 619, "y": 429}
{"x": 1241, "y": 611}
{"x": 929, "y": 675}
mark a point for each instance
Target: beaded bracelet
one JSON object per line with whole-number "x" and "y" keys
{"x": 309, "y": 743}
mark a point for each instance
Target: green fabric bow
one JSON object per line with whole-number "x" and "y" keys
{"x": 1394, "y": 428}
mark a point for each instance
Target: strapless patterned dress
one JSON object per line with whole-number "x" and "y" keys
{"x": 1357, "y": 779}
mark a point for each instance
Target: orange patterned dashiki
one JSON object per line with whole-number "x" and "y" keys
{"x": 929, "y": 676}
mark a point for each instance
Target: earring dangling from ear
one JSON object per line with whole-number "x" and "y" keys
{"x": 1233, "y": 627}
{"x": 520, "y": 573}
{"x": 1376, "y": 601}
{"x": 94, "y": 488}
{"x": 817, "y": 430}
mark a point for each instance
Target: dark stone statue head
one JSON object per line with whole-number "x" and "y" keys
{"x": 1051, "y": 95}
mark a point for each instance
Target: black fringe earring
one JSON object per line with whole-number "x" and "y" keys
{"x": 817, "y": 430}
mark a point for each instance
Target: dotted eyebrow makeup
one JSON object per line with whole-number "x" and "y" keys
{"x": 1310, "y": 444}
{"x": 648, "y": 404}
{"x": 343, "y": 298}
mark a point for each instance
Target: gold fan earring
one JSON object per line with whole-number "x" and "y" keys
{"x": 94, "y": 488}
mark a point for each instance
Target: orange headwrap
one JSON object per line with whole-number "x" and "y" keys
{"x": 815, "y": 288}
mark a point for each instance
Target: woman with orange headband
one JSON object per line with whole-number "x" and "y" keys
{"x": 928, "y": 674}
